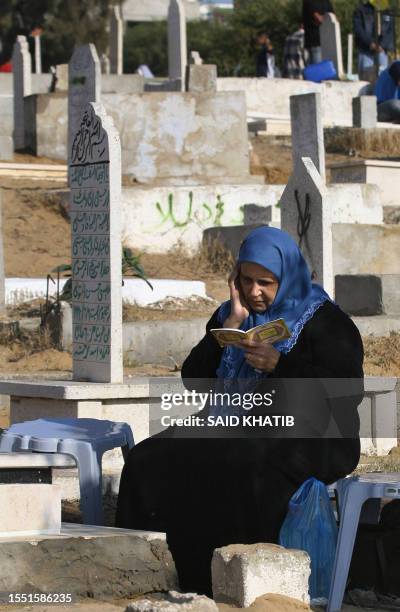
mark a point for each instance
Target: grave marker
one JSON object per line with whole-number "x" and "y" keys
{"x": 22, "y": 74}
{"x": 84, "y": 77}
{"x": 177, "y": 43}
{"x": 105, "y": 64}
{"x": 307, "y": 218}
{"x": 195, "y": 58}
{"x": 95, "y": 181}
{"x": 307, "y": 131}
{"x": 116, "y": 40}
{"x": 38, "y": 54}
{"x": 331, "y": 42}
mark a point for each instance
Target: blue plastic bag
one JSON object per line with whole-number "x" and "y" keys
{"x": 323, "y": 71}
{"x": 310, "y": 525}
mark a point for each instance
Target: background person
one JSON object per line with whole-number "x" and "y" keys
{"x": 214, "y": 491}
{"x": 313, "y": 16}
{"x": 372, "y": 58}
{"x": 294, "y": 55}
{"x": 265, "y": 64}
{"x": 387, "y": 91}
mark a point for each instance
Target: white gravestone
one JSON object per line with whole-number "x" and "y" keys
{"x": 350, "y": 47}
{"x": 195, "y": 58}
{"x": 38, "y": 54}
{"x": 331, "y": 42}
{"x": 307, "y": 130}
{"x": 116, "y": 40}
{"x": 308, "y": 219}
{"x": 84, "y": 76}
{"x": 95, "y": 182}
{"x": 105, "y": 64}
{"x": 22, "y": 73}
{"x": 177, "y": 43}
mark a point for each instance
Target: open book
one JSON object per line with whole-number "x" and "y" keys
{"x": 273, "y": 331}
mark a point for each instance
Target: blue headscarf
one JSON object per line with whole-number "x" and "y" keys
{"x": 296, "y": 301}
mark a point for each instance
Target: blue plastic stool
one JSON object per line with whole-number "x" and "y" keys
{"x": 85, "y": 440}
{"x": 353, "y": 492}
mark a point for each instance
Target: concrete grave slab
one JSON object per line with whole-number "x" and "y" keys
{"x": 271, "y": 97}
{"x": 383, "y": 173}
{"x": 201, "y": 78}
{"x": 29, "y": 509}
{"x": 123, "y": 563}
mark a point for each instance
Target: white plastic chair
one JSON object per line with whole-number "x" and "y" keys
{"x": 353, "y": 493}
{"x": 86, "y": 440}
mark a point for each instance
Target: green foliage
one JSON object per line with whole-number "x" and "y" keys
{"x": 65, "y": 24}
{"x": 146, "y": 43}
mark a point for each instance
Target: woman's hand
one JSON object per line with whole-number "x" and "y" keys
{"x": 260, "y": 355}
{"x": 239, "y": 309}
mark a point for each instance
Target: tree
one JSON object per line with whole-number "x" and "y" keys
{"x": 65, "y": 24}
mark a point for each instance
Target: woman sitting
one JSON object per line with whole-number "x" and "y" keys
{"x": 213, "y": 491}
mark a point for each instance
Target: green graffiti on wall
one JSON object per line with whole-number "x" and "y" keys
{"x": 206, "y": 215}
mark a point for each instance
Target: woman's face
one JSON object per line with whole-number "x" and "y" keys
{"x": 259, "y": 286}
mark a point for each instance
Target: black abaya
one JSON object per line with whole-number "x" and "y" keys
{"x": 207, "y": 493}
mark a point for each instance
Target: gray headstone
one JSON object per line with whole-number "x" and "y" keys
{"x": 177, "y": 43}
{"x": 308, "y": 219}
{"x": 307, "y": 131}
{"x": 2, "y": 273}
{"x": 331, "y": 42}
{"x": 368, "y": 294}
{"x": 84, "y": 86}
{"x": 95, "y": 181}
{"x": 201, "y": 78}
{"x": 365, "y": 112}
{"x": 116, "y": 41}
{"x": 22, "y": 73}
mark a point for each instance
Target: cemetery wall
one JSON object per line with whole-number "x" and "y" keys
{"x": 40, "y": 83}
{"x": 181, "y": 134}
{"x": 156, "y": 218}
{"x": 163, "y": 135}
{"x": 366, "y": 249}
{"x": 122, "y": 83}
{"x": 272, "y": 96}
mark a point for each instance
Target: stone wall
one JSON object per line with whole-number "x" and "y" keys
{"x": 181, "y": 135}
{"x": 271, "y": 96}
{"x": 122, "y": 83}
{"x": 163, "y": 135}
{"x": 366, "y": 249}
{"x": 156, "y": 219}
